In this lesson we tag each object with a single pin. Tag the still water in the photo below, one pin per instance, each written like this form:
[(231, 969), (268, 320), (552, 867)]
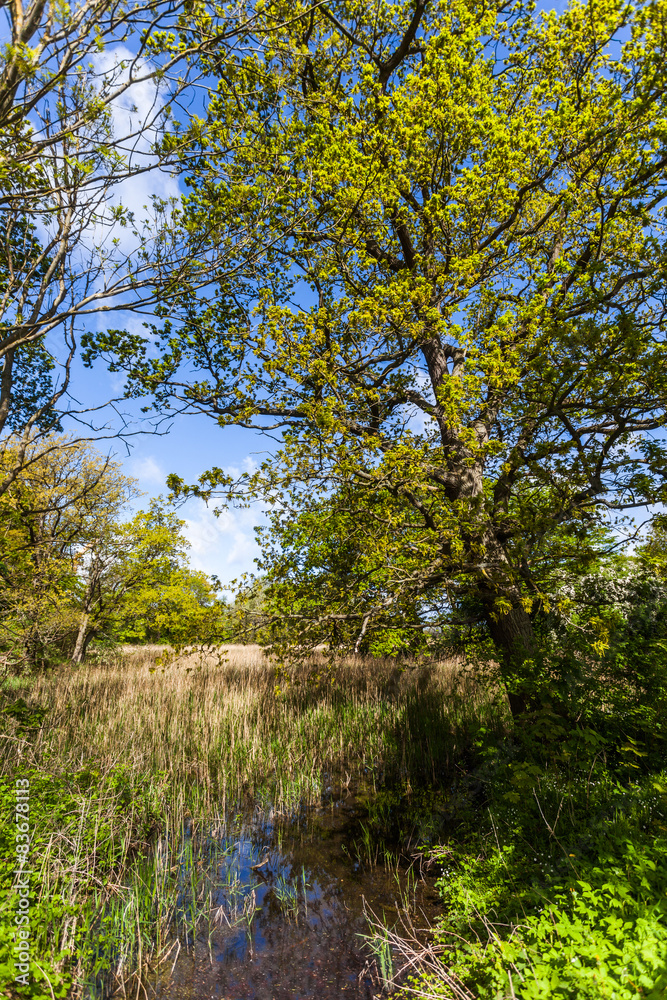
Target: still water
[(286, 908)]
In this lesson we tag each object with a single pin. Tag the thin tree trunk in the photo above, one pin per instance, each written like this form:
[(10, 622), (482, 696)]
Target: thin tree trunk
[(361, 635), (509, 623), (80, 644)]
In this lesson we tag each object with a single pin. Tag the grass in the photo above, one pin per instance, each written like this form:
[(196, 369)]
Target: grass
[(212, 733), (122, 753), (552, 882)]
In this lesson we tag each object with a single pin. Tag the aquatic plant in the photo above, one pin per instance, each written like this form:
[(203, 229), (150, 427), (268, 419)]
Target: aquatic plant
[(286, 891), (133, 760), (379, 946)]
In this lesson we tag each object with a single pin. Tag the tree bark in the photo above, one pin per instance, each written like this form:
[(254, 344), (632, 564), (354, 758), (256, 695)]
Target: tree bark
[(514, 639), (512, 631), (80, 644)]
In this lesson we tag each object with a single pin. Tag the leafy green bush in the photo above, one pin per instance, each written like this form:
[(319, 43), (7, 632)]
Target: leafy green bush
[(555, 884), (601, 935), (604, 651), (46, 800)]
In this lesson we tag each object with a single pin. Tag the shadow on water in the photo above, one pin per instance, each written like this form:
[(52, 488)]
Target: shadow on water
[(281, 901)]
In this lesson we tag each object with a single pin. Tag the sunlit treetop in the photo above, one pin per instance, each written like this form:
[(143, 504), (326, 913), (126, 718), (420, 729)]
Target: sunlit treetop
[(455, 287)]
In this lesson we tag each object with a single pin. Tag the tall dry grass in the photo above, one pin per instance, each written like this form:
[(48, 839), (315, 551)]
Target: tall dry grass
[(219, 724), (132, 744)]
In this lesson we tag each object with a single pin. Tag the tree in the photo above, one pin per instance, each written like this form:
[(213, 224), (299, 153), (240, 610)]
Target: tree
[(73, 570), (153, 595), (325, 583), (90, 102), (326, 580), (53, 520), (459, 316)]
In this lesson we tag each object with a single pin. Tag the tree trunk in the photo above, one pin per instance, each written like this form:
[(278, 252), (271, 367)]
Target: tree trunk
[(32, 648), (512, 632), (90, 635), (80, 644), (513, 637)]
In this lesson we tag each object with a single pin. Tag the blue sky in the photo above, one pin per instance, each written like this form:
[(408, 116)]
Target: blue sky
[(224, 545)]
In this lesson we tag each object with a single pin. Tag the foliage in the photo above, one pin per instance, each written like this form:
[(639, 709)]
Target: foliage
[(452, 309), (554, 883), (53, 519), (73, 571), (167, 601), (602, 932), (89, 99), (77, 819), (41, 911), (653, 553), (605, 643), (320, 587)]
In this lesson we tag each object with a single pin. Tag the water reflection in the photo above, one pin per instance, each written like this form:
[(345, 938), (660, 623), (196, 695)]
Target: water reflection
[(287, 911)]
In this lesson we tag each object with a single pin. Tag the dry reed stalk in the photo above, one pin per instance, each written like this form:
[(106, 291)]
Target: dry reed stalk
[(199, 716), (417, 953), (143, 737)]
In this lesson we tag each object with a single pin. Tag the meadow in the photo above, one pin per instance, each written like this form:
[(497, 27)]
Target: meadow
[(141, 742), (546, 838)]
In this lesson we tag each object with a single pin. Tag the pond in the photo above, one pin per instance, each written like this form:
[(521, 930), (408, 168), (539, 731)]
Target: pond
[(286, 902)]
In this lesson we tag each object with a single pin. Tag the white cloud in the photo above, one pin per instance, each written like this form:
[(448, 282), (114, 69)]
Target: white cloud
[(147, 470), (224, 545), (248, 465), (132, 115)]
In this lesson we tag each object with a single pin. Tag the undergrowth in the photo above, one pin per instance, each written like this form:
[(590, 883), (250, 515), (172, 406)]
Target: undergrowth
[(120, 752), (554, 884)]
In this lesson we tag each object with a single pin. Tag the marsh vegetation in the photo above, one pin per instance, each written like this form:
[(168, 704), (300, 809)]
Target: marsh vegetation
[(379, 825), (135, 761)]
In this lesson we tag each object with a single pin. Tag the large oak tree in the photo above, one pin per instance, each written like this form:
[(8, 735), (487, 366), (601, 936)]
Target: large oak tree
[(457, 321)]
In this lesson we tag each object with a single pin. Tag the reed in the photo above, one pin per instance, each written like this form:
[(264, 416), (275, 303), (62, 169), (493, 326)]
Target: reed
[(126, 751), (213, 731)]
